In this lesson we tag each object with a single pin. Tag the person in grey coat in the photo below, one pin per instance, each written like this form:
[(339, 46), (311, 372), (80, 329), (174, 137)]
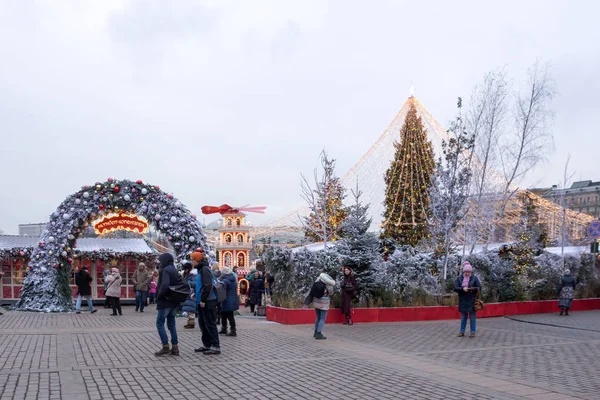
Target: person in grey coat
[(467, 286), (566, 292)]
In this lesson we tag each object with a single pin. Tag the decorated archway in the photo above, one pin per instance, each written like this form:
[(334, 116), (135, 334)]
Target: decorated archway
[(46, 286)]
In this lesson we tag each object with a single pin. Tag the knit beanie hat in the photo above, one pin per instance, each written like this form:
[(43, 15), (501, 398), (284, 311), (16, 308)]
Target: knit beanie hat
[(197, 256), (226, 270), (467, 266)]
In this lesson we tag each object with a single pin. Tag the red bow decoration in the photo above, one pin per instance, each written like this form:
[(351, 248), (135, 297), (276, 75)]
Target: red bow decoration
[(226, 208)]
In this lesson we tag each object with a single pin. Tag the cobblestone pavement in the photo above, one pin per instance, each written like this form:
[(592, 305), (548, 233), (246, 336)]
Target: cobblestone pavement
[(69, 356)]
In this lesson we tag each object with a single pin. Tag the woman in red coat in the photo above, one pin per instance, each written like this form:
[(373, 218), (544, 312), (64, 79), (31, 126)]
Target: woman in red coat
[(348, 292)]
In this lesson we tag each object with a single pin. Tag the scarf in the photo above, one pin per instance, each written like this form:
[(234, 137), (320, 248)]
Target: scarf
[(466, 281)]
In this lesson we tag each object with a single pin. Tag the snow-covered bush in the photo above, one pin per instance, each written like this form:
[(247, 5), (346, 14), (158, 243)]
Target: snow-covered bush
[(295, 273), (408, 278), (499, 280)]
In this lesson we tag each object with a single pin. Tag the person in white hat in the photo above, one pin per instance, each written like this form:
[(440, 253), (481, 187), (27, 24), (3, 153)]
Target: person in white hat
[(319, 298)]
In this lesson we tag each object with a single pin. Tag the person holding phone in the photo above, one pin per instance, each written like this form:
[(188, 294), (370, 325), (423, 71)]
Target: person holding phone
[(467, 286)]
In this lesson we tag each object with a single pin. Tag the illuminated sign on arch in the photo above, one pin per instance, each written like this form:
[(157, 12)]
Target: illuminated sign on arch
[(121, 221)]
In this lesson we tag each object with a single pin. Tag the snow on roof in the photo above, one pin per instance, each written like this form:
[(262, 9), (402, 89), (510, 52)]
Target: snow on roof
[(314, 247), (134, 245), (568, 250)]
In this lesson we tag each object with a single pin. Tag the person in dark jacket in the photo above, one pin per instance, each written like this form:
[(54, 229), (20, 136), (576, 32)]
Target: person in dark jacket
[(257, 287), (167, 309), (566, 292), (207, 306), (189, 306), (348, 286), (231, 303), (467, 286), (83, 280)]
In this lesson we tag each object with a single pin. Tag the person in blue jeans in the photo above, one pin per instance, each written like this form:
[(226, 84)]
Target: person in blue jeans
[(320, 300), (83, 280), (141, 281), (467, 286), (167, 309)]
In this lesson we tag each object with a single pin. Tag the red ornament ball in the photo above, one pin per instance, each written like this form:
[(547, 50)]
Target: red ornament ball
[(170, 196), (117, 189), (199, 250), (42, 244), (170, 238), (101, 206), (110, 179), (54, 265), (157, 187), (139, 182)]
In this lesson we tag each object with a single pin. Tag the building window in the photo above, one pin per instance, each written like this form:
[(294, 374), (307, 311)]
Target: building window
[(240, 239), (228, 238)]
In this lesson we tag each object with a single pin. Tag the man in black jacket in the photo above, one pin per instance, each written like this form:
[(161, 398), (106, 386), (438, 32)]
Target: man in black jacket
[(167, 309), (83, 280), (206, 299)]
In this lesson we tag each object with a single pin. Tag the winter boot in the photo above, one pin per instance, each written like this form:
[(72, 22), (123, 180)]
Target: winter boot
[(562, 311), (175, 350), (315, 334), (232, 333), (567, 311), (350, 322), (223, 330), (346, 321), (165, 350), (319, 336), (191, 323)]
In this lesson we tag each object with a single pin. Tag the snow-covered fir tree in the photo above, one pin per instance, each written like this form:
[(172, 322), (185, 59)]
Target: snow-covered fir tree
[(359, 248), (450, 187), (325, 202)]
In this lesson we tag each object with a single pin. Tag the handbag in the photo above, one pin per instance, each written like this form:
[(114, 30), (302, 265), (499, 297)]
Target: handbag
[(478, 306), (179, 291)]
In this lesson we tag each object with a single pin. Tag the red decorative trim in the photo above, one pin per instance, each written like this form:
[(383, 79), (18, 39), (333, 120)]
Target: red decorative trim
[(295, 316)]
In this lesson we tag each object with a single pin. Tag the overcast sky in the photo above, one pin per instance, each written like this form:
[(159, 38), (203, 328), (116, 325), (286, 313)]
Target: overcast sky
[(228, 102)]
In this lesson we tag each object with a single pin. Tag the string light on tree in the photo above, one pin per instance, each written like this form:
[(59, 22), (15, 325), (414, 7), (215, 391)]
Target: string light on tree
[(407, 183)]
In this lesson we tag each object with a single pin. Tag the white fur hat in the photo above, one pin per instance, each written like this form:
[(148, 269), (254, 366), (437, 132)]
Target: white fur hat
[(326, 279)]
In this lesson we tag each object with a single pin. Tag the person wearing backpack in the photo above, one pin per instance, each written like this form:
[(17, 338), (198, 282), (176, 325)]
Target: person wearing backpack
[(319, 298), (206, 298), (167, 308)]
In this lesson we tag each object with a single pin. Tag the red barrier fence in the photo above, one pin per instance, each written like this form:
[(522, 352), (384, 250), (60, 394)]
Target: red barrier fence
[(294, 316)]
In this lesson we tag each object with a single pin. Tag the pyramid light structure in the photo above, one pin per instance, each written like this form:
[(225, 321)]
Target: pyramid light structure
[(370, 169), (369, 172)]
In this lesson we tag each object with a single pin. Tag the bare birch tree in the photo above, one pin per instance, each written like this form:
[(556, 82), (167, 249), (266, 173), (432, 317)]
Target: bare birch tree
[(486, 121), (531, 140)]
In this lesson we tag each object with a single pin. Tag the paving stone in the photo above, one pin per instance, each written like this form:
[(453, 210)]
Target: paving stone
[(96, 357)]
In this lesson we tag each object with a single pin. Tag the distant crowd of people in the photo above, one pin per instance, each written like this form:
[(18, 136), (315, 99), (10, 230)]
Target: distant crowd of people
[(210, 296)]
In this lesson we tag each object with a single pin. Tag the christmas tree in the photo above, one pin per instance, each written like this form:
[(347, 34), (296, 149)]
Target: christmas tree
[(326, 204), (359, 248), (408, 180), (532, 235)]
